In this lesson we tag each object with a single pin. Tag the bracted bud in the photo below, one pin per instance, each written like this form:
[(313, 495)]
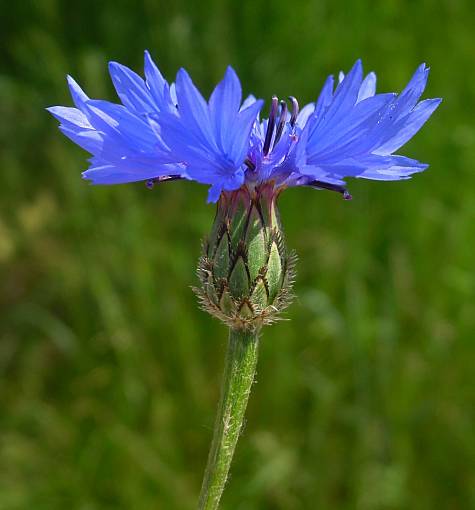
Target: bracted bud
[(245, 271)]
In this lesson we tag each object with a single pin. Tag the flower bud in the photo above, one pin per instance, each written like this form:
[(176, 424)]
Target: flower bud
[(245, 271)]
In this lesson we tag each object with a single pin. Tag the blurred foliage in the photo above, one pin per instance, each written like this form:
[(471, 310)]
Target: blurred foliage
[(109, 372)]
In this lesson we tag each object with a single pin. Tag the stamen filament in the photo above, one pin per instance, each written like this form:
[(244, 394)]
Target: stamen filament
[(332, 187), (270, 125), (151, 182), (249, 164), (282, 119), (295, 110)]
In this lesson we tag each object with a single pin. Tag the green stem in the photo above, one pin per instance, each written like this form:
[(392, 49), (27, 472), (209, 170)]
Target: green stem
[(239, 371)]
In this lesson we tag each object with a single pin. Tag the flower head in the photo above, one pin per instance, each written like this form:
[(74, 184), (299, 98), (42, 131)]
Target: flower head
[(165, 131)]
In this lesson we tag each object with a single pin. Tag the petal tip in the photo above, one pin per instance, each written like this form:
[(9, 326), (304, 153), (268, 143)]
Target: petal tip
[(113, 66), (231, 72), (214, 192), (72, 83), (86, 177), (148, 60)]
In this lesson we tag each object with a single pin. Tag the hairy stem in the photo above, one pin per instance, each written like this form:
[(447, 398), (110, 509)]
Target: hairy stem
[(239, 371)]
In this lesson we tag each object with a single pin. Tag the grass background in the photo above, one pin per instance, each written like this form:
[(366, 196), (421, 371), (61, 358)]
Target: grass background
[(109, 373)]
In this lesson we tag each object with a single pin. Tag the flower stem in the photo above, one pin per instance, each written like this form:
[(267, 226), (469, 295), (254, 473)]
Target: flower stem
[(239, 371)]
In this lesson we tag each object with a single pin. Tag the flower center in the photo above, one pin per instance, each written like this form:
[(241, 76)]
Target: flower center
[(277, 120), (278, 117)]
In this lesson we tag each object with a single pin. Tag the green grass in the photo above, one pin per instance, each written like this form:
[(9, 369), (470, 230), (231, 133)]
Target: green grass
[(109, 373)]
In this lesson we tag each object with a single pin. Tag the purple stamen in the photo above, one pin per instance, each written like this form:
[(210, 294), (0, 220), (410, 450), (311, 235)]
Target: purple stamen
[(332, 187), (163, 178), (270, 124), (249, 164), (167, 178), (282, 119), (295, 110)]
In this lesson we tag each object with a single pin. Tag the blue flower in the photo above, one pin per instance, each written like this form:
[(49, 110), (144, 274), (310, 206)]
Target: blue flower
[(210, 138), (349, 132), (165, 131)]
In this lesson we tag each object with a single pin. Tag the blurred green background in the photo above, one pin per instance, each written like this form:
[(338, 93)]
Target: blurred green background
[(109, 373)]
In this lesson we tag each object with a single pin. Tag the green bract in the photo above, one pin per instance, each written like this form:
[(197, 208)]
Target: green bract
[(245, 270)]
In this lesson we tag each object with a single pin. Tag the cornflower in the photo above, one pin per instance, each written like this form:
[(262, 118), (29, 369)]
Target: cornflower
[(163, 132)]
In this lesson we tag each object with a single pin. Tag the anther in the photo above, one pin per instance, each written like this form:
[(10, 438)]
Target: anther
[(332, 187), (249, 164), (270, 124), (282, 119), (150, 183), (295, 110), (167, 178)]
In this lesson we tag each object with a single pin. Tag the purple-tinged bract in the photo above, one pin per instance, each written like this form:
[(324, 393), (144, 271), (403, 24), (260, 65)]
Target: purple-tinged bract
[(165, 131)]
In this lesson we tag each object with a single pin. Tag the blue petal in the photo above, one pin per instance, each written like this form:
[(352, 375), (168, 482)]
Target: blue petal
[(368, 87), (187, 146), (214, 193), (70, 116), (346, 134), (78, 95), (394, 173), (158, 86), (228, 183), (408, 98), (112, 174), (325, 98), (131, 89), (211, 139), (250, 99), (122, 125), (333, 108), (90, 140), (392, 119), (194, 109), (242, 131), (410, 126), (369, 165), (305, 113), (346, 93), (224, 105), (173, 93)]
